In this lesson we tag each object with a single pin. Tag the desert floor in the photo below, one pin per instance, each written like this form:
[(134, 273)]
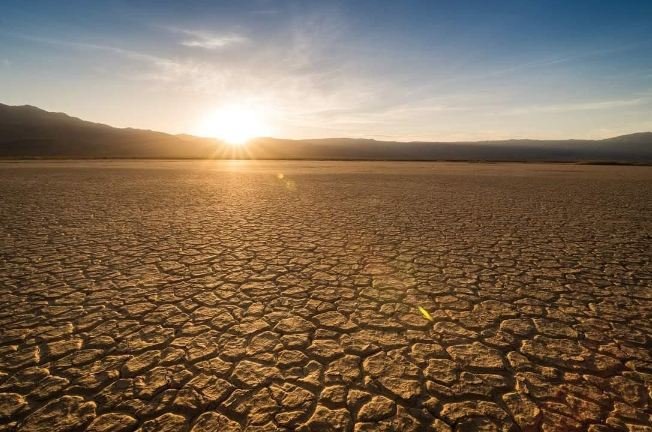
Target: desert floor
[(220, 296)]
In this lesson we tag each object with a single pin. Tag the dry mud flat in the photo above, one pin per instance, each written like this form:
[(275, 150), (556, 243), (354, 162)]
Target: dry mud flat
[(225, 296)]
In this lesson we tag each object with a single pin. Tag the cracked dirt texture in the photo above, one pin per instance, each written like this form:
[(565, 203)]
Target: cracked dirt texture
[(224, 296)]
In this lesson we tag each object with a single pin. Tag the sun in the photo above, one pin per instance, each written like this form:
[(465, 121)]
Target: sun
[(235, 124)]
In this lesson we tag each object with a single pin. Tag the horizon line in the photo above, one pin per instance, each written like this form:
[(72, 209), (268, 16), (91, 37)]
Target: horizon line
[(397, 140)]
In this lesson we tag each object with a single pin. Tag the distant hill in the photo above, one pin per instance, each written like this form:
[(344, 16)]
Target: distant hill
[(30, 132), (27, 131)]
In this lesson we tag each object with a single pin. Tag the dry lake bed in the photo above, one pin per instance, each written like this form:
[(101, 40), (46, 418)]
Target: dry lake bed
[(263, 296)]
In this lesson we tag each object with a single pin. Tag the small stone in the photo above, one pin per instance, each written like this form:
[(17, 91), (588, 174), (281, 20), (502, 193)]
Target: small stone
[(10, 404), (48, 387), (295, 398), (312, 373), (296, 340), (335, 394), (343, 370), (288, 419), (405, 389), (213, 422), (326, 419), (250, 374), (517, 326), (222, 320), (167, 422), (63, 414), (378, 408), (262, 407), (212, 388), (215, 366), (523, 410), (356, 398), (289, 358), (333, 320), (559, 352), (456, 411), (325, 349), (476, 355), (294, 324), (476, 424), (439, 426), (140, 363), (147, 337), (441, 370), (263, 343), (554, 328), (60, 348), (112, 422), (246, 328)]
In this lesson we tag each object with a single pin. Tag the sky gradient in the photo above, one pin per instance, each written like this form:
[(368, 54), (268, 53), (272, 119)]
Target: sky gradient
[(408, 70)]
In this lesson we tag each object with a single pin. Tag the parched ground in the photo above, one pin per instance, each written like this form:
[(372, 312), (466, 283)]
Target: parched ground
[(224, 296)]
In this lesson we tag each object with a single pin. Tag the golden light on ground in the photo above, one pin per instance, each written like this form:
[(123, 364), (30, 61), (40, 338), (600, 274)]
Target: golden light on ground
[(235, 124)]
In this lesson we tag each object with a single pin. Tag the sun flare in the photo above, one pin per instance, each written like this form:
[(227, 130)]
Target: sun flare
[(235, 124)]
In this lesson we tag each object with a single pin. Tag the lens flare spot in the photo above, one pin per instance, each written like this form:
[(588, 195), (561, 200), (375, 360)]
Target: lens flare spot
[(425, 314)]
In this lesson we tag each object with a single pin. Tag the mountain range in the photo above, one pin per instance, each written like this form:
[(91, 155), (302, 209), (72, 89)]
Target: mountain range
[(30, 132)]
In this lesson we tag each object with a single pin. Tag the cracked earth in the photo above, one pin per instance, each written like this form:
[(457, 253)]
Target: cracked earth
[(226, 296)]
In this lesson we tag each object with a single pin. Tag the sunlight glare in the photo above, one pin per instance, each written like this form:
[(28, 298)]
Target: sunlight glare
[(235, 124)]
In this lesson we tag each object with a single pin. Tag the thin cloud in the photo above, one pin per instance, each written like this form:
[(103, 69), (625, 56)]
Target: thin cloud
[(134, 55), (208, 40), (157, 68), (581, 106)]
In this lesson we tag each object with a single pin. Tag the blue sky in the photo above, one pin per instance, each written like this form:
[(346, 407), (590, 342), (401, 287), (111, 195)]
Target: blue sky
[(408, 70)]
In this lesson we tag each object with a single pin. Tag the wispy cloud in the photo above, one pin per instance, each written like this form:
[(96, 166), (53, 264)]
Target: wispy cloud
[(578, 106), (134, 55), (148, 67), (208, 40)]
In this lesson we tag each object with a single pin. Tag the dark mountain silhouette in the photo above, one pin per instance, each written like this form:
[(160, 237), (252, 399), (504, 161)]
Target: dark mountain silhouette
[(29, 132)]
